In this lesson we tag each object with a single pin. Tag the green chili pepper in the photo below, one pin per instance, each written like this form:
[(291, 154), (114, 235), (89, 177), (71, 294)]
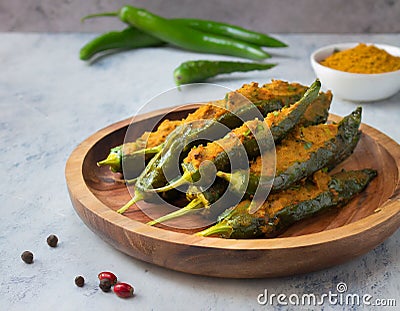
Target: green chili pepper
[(231, 31), (186, 37), (200, 70), (238, 222), (132, 156), (329, 154), (332, 153), (129, 38)]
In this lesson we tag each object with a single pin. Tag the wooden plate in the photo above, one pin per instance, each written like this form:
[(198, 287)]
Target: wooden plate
[(313, 244)]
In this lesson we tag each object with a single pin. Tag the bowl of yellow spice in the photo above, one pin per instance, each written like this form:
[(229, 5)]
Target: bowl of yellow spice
[(358, 71)]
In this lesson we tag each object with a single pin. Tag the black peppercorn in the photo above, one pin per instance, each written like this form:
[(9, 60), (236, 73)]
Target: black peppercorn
[(105, 285), (52, 240), (79, 281), (27, 257)]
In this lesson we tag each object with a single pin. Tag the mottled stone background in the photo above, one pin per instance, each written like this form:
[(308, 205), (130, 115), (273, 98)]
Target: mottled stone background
[(275, 16)]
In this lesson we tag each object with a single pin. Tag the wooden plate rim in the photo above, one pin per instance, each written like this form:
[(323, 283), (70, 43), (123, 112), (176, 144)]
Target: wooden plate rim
[(74, 165)]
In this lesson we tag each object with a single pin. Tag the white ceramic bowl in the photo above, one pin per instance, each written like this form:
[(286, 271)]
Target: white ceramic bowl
[(356, 86)]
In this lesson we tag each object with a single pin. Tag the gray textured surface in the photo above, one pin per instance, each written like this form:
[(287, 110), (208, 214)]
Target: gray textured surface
[(334, 16), (50, 101)]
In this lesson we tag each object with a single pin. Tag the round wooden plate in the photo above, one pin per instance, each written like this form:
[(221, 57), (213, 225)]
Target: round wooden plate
[(319, 242)]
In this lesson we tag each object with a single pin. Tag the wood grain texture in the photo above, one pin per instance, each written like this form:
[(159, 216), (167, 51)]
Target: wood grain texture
[(316, 243)]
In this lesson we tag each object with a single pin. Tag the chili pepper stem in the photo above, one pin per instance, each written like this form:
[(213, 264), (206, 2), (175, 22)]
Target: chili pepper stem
[(192, 206), (226, 176), (238, 180), (125, 181), (152, 150), (221, 229), (112, 160), (131, 181), (99, 15), (138, 196), (184, 179)]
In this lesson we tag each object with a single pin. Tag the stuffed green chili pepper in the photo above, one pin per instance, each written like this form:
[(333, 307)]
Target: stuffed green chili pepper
[(306, 150), (285, 208)]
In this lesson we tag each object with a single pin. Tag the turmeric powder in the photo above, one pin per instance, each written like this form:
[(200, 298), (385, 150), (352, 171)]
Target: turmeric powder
[(363, 59)]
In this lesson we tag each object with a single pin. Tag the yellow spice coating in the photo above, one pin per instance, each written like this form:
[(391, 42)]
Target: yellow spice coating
[(363, 59), (156, 138), (298, 146), (301, 192), (212, 110), (275, 89), (302, 143), (212, 149), (153, 139)]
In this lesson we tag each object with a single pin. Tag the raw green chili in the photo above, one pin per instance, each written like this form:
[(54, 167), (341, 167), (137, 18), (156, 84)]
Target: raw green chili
[(129, 38), (186, 37), (231, 31), (200, 70)]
